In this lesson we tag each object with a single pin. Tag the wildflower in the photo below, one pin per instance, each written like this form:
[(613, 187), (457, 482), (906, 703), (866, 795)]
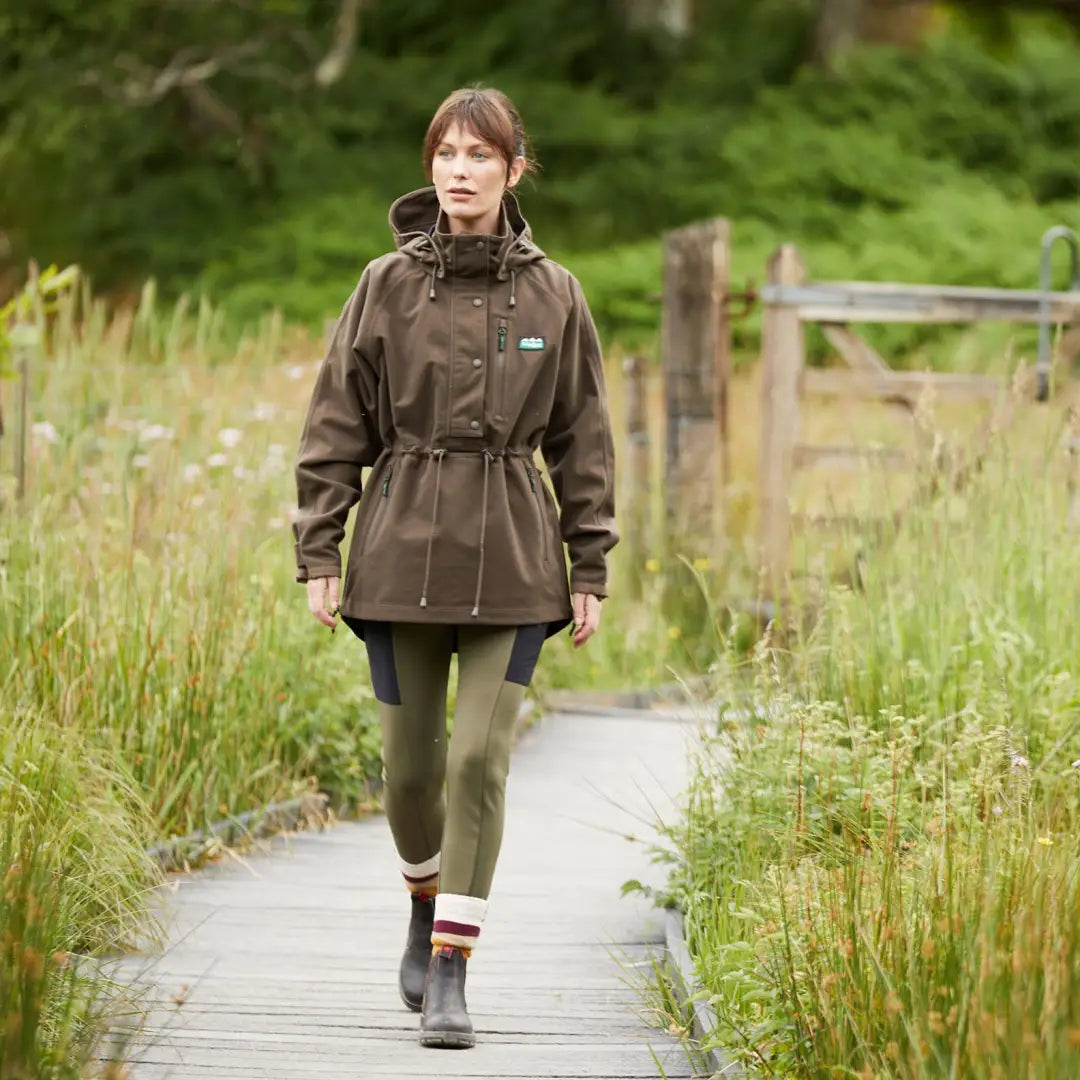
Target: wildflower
[(1020, 762), (44, 431), (140, 461), (192, 472), (264, 410), (703, 564), (652, 565), (294, 513), (107, 488), (1076, 764), (154, 432), (197, 501), (674, 633), (240, 472), (276, 523), (229, 437), (1046, 841), (217, 461), (295, 372)]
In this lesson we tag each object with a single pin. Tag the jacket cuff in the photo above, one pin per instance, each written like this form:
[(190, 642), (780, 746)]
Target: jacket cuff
[(595, 588), (320, 570)]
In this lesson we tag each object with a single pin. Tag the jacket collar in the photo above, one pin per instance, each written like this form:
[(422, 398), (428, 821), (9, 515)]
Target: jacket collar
[(418, 224)]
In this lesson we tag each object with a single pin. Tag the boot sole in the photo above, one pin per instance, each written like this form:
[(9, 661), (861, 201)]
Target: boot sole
[(448, 1040)]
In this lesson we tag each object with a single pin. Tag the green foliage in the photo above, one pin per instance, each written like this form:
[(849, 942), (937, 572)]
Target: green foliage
[(73, 879), (279, 197), (878, 861)]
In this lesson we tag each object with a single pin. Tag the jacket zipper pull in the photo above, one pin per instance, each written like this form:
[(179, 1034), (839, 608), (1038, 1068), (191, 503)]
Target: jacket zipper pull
[(386, 482), (502, 339), (529, 472)]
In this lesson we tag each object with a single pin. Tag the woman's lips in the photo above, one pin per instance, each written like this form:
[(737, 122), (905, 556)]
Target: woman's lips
[(461, 195)]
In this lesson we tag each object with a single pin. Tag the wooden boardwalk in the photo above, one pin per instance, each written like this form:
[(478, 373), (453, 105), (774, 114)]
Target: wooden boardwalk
[(286, 962)]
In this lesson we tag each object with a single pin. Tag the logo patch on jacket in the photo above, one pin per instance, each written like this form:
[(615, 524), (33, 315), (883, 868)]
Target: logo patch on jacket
[(531, 344)]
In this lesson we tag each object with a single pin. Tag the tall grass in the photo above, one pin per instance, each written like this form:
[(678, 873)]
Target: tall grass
[(74, 878), (880, 863), (147, 597)]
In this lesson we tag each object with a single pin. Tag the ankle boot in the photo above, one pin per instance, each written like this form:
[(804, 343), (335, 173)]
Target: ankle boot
[(445, 1020), (414, 963)]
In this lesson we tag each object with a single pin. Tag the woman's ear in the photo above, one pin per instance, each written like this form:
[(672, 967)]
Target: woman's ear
[(517, 167)]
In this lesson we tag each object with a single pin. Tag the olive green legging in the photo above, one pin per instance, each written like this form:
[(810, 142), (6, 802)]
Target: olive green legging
[(448, 795)]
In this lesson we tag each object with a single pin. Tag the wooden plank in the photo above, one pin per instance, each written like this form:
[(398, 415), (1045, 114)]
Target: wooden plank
[(695, 365), (889, 302), (852, 457), (833, 382), (286, 963), (783, 362), (857, 354), (637, 474)]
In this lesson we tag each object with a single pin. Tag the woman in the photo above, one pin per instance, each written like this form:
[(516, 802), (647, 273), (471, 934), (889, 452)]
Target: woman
[(455, 358)]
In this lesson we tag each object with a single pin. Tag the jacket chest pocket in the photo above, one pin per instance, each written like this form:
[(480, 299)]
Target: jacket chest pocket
[(501, 353)]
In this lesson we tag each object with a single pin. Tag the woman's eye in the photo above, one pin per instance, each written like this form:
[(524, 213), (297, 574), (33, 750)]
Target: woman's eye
[(445, 154), (481, 155)]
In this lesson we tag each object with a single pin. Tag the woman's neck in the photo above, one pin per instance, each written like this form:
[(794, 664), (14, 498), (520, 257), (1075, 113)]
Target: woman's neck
[(488, 225)]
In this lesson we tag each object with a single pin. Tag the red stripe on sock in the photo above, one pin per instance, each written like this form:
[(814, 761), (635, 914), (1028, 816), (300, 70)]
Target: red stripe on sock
[(418, 880), (444, 926)]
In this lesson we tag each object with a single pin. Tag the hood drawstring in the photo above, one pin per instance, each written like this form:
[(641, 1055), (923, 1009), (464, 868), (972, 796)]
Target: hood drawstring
[(431, 291), (513, 288), (438, 454), (483, 526)]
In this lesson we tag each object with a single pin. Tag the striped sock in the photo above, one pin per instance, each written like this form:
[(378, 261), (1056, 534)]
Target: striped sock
[(422, 877), (457, 921)]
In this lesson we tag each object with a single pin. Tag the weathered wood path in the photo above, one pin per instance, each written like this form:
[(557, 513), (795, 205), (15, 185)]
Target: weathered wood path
[(287, 962)]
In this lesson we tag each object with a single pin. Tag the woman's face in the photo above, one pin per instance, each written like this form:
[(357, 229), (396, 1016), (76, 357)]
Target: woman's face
[(470, 178)]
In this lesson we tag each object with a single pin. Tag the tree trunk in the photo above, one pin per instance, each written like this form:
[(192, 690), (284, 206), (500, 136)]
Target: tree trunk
[(674, 16), (838, 26)]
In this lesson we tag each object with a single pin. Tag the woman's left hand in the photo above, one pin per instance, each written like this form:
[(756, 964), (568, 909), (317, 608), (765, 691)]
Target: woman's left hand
[(586, 617)]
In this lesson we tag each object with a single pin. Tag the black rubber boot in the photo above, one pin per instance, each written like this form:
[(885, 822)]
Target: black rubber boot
[(445, 1020), (414, 963)]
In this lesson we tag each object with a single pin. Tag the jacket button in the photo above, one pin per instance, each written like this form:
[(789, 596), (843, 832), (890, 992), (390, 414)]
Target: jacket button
[(474, 424), (476, 361), (478, 302), (479, 245)]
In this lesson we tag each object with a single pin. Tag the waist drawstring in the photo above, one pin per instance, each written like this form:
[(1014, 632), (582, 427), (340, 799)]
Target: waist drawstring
[(483, 525), (438, 452)]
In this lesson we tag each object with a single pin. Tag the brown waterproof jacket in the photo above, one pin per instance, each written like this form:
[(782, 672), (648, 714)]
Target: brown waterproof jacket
[(453, 360)]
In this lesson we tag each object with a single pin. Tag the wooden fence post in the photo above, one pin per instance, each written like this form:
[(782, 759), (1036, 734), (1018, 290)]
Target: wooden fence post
[(783, 361), (696, 363), (637, 470)]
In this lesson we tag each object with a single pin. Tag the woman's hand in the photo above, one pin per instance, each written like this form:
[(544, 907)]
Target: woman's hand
[(586, 617), (322, 599)]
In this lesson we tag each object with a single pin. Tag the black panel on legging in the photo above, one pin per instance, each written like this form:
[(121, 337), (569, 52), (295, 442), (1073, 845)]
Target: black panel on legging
[(380, 650), (525, 654)]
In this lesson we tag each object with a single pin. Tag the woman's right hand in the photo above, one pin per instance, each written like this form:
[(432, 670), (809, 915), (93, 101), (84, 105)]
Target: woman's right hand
[(322, 599)]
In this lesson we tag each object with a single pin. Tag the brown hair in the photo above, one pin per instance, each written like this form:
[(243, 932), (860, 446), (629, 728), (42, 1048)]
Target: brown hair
[(487, 112)]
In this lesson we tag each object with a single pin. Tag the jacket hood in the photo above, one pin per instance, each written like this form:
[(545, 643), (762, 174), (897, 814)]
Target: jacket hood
[(415, 219)]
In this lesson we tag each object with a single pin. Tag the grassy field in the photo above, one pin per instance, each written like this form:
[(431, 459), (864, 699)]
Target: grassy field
[(879, 859), (160, 668)]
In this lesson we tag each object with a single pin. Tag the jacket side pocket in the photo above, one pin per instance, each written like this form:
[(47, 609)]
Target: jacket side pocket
[(538, 496), (376, 511)]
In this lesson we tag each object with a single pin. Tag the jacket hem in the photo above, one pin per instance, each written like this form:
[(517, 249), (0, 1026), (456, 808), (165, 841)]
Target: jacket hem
[(459, 613)]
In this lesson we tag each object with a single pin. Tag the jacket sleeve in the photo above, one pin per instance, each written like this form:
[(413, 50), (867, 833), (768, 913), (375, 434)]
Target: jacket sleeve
[(579, 451), (340, 436)]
